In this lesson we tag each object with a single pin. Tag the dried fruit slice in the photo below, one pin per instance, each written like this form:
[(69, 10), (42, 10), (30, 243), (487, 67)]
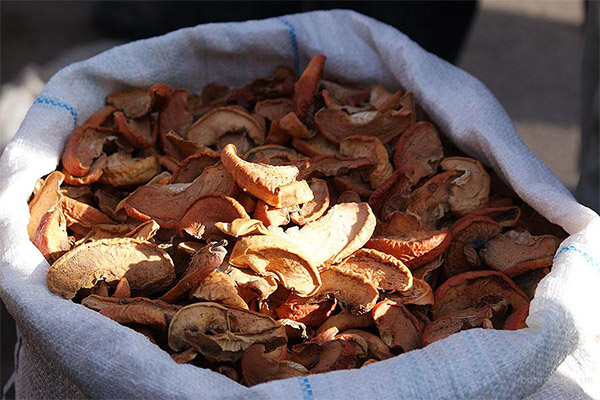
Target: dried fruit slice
[(251, 286), (471, 190), (275, 185), (373, 149), (133, 102), (77, 212), (267, 254), (505, 216), (124, 171), (384, 271), (273, 109), (153, 313), (474, 289), (175, 114), (344, 321), (391, 196), (316, 146), (222, 120), (352, 290), (529, 281), (258, 367), (349, 196), (166, 204), (94, 175), (330, 165), (307, 85), (219, 287), (515, 253), (429, 202), (192, 167), (471, 233), (418, 151), (317, 207), (349, 95), (414, 248), (147, 268), (123, 290), (337, 125), (183, 148), (376, 347), (398, 224), (309, 311), (199, 220), (271, 216), (292, 126), (51, 237), (335, 355), (242, 227), (419, 294), (397, 327), (47, 197), (140, 133), (271, 154)]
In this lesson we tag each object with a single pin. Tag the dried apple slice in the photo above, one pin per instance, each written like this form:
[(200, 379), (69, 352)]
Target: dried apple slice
[(316, 146), (123, 290), (474, 289), (124, 171), (134, 102), (335, 355), (152, 313), (200, 218), (51, 237), (267, 254), (317, 207), (350, 95), (376, 347), (414, 248), (292, 126), (373, 149), (529, 281), (275, 185), (471, 233), (384, 271), (222, 120), (192, 167), (271, 216), (418, 151), (271, 154), (251, 286), (349, 196), (471, 190), (398, 224), (258, 367), (352, 290), (86, 143), (96, 171), (419, 294), (219, 287), (337, 125), (397, 327), (273, 109), (81, 213), (391, 196), (166, 204), (429, 202), (307, 85), (175, 114), (147, 268), (330, 165), (344, 321), (47, 197), (242, 227), (309, 311), (140, 133), (515, 253), (183, 148)]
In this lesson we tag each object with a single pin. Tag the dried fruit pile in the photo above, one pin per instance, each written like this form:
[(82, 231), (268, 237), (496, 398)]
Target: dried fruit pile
[(285, 227)]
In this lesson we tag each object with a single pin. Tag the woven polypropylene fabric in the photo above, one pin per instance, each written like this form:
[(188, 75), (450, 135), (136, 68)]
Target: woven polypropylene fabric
[(102, 359)]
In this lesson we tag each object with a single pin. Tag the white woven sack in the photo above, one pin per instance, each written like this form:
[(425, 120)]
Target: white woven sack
[(70, 351)]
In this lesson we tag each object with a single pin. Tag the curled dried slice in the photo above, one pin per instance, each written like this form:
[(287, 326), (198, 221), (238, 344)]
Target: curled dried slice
[(134, 102), (349, 196), (335, 355), (81, 213), (397, 327), (223, 120), (420, 294), (414, 248), (475, 289), (124, 171), (307, 85), (96, 171), (373, 149), (330, 165), (291, 125), (258, 367), (166, 204), (267, 254), (315, 146), (391, 196), (350, 95), (515, 252), (271, 216), (175, 114), (140, 133), (251, 286), (200, 218), (182, 148), (376, 347), (398, 224), (337, 125), (471, 190), (192, 167), (352, 290), (505, 216), (344, 321), (242, 227), (51, 237), (47, 197), (384, 271), (273, 109), (309, 311), (147, 268), (317, 207), (219, 287), (271, 154), (418, 151), (123, 290), (429, 202), (275, 185), (471, 233), (153, 313)]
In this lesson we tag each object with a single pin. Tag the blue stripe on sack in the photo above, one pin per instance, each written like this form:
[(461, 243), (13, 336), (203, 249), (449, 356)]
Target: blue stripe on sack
[(295, 55), (64, 106), (587, 257), (307, 392)]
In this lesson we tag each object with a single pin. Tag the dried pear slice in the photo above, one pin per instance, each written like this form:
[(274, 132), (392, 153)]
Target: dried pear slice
[(275, 185), (147, 268), (267, 254), (373, 149), (222, 120), (474, 289), (384, 271), (418, 151), (471, 190), (352, 290), (515, 253)]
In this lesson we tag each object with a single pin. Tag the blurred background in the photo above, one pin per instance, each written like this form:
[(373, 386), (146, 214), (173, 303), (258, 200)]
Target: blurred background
[(528, 52)]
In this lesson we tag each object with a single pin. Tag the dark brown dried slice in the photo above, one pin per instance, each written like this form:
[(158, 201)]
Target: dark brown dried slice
[(376, 347), (107, 202), (275, 185), (505, 216), (183, 148), (316, 146), (273, 109), (391, 196), (475, 289), (349, 196), (429, 202), (167, 204), (141, 133), (315, 208), (134, 102), (175, 114), (414, 248), (258, 367), (147, 268), (51, 237), (223, 120), (471, 190), (373, 149), (529, 281), (310, 311), (124, 171), (419, 294), (398, 328), (352, 290), (193, 166), (307, 85), (384, 271), (330, 165), (47, 197), (418, 151), (291, 125), (337, 125), (471, 233), (200, 218), (515, 253)]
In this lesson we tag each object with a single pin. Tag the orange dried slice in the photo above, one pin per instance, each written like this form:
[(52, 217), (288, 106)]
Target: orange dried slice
[(330, 165), (200, 218), (271, 216), (429, 202), (223, 120), (47, 197), (307, 85), (133, 102), (312, 311), (193, 166), (418, 151), (140, 133), (419, 294), (258, 367), (391, 196), (469, 191), (317, 207), (384, 271), (397, 327), (316, 146), (352, 290), (77, 212), (51, 237), (373, 149)]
